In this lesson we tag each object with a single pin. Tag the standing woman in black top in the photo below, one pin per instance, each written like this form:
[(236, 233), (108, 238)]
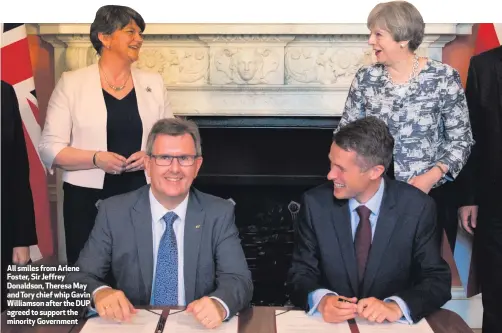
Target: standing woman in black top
[(98, 120)]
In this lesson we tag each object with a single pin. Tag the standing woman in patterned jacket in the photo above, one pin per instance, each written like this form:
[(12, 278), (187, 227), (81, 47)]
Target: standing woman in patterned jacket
[(421, 100)]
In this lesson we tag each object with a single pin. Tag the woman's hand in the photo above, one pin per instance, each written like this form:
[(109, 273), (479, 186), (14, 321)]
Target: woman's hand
[(426, 181), (110, 162), (135, 162)]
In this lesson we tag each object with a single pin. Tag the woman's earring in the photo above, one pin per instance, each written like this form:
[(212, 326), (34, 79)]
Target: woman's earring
[(402, 45)]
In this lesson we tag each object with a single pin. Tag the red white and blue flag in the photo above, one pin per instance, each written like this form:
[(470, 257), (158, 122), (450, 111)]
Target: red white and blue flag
[(16, 69)]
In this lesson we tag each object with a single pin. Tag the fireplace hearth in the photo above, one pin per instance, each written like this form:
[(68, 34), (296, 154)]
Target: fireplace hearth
[(263, 165)]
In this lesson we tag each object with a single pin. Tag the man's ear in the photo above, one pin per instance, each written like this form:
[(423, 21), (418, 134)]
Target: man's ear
[(198, 162), (377, 171), (146, 161)]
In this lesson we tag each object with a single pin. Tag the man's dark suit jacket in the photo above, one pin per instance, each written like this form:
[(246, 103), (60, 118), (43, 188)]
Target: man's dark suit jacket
[(18, 213), (122, 241), (480, 182), (405, 258), (481, 179)]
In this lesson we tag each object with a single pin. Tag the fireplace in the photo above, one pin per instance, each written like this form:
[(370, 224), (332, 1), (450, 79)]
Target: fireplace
[(264, 165)]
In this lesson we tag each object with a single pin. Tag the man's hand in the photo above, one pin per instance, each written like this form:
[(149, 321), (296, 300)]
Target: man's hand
[(468, 218), (113, 304), (376, 310), (21, 255), (334, 310), (209, 312)]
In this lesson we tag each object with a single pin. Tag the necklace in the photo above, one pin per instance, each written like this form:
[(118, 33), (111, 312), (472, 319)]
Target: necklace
[(116, 88), (413, 73)]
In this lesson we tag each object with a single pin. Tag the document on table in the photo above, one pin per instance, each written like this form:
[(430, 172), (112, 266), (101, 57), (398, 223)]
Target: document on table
[(369, 327), (142, 322), (298, 321), (184, 322)]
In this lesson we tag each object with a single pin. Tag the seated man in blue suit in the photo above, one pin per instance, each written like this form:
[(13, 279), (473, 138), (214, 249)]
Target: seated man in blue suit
[(365, 245), (167, 243)]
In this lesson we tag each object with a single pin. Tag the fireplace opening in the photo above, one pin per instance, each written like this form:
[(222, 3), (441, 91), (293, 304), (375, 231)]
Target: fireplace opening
[(264, 165)]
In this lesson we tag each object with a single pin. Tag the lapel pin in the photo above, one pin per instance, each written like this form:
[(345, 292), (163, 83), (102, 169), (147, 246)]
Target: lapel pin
[(197, 226), (148, 89)]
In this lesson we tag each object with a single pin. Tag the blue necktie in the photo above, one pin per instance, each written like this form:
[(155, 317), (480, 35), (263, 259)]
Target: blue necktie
[(166, 274)]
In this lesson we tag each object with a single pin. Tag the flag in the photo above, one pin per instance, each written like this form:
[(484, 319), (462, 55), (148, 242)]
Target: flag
[(489, 36), (16, 70)]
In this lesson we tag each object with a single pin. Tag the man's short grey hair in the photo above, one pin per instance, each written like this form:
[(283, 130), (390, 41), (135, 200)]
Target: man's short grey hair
[(401, 19), (110, 18), (174, 127), (370, 138)]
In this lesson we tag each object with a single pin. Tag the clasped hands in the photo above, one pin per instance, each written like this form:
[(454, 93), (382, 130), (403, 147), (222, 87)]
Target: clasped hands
[(116, 164), (334, 310), (112, 304)]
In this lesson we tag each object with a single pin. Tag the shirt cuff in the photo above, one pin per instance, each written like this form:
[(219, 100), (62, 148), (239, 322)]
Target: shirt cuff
[(406, 318), (315, 297), (224, 306)]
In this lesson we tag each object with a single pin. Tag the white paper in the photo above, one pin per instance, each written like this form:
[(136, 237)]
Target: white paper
[(184, 322), (142, 322), (297, 321), (368, 327)]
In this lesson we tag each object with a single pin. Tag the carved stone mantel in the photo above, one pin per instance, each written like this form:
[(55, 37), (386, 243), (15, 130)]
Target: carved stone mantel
[(247, 69)]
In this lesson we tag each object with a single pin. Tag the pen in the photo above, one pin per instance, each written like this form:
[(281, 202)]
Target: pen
[(160, 325)]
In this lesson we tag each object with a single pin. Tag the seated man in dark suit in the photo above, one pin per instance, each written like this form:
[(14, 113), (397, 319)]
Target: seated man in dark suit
[(167, 243), (365, 245)]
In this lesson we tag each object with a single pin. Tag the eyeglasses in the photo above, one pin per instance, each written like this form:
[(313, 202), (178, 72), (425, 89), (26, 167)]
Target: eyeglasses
[(167, 160)]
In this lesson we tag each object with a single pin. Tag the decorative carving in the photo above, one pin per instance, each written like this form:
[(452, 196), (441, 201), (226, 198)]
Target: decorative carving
[(369, 56), (245, 65), (244, 39), (247, 69), (177, 66), (170, 38), (331, 38), (324, 65), (264, 100), (193, 66), (76, 38), (151, 60), (79, 56)]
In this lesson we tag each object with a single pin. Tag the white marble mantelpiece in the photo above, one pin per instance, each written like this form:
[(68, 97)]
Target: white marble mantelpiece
[(247, 69)]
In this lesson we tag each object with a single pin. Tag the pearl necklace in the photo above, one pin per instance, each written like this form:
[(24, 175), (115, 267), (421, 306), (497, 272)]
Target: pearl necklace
[(413, 73)]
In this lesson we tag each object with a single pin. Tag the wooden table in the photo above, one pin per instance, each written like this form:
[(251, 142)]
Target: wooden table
[(259, 319)]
